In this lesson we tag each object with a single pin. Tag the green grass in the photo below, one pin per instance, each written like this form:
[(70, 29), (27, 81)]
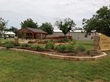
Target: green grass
[(86, 44), (17, 66), (2, 40)]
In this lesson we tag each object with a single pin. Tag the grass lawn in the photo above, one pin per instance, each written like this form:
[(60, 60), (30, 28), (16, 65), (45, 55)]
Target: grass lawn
[(17, 66), (86, 44)]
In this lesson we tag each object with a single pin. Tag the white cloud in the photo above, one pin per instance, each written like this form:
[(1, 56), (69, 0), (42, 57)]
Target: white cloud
[(41, 11)]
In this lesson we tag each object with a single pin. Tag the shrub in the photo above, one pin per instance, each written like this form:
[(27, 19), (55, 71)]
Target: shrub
[(9, 45), (38, 47), (25, 45), (63, 40), (81, 48), (72, 42), (49, 45), (15, 43), (61, 47), (70, 48)]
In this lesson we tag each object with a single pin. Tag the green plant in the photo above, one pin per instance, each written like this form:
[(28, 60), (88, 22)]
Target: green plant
[(38, 47), (15, 43), (72, 42), (25, 45), (61, 47), (70, 48), (63, 40), (9, 45), (81, 48), (49, 45)]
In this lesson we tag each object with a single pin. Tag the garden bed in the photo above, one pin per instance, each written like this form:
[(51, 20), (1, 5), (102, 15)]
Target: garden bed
[(62, 55)]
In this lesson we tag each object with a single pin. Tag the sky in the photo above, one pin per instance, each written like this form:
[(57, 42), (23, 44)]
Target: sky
[(41, 11)]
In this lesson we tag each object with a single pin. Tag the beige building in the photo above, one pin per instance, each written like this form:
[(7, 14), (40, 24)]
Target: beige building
[(76, 34)]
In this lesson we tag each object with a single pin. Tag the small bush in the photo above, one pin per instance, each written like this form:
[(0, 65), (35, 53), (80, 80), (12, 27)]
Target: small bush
[(38, 47), (81, 48), (70, 48), (72, 42), (63, 40), (61, 47), (49, 45), (25, 45), (9, 45), (15, 43)]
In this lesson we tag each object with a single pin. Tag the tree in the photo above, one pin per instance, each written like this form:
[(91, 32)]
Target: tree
[(100, 22), (66, 25), (3, 24), (13, 29), (47, 27), (29, 23)]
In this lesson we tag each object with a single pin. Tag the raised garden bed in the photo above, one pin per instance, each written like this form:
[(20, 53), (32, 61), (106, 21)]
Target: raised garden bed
[(93, 55)]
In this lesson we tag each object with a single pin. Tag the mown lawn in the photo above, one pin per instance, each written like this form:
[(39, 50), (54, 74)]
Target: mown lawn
[(17, 66)]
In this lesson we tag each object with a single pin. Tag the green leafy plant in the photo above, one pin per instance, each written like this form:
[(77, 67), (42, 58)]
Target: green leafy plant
[(72, 42), (49, 45), (25, 45), (9, 45), (70, 48), (61, 47), (63, 40), (81, 48), (38, 47)]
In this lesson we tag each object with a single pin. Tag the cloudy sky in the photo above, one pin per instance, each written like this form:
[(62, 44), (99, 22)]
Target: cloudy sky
[(42, 11)]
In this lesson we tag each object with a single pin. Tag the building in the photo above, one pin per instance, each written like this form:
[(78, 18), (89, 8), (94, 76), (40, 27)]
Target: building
[(31, 33), (7, 34), (76, 34)]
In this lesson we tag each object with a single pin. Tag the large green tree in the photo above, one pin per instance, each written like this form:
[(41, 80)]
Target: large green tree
[(47, 27), (3, 24), (66, 25), (29, 23), (100, 22)]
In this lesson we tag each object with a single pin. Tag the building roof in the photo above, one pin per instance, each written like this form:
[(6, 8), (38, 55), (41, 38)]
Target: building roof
[(70, 31), (34, 30), (9, 32)]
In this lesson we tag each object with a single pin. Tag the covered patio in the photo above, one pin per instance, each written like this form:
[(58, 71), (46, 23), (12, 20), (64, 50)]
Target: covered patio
[(31, 33)]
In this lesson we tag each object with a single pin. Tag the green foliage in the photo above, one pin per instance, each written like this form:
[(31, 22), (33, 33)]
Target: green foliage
[(63, 40), (100, 22), (47, 27), (29, 23), (80, 48), (25, 45), (16, 44), (3, 24), (72, 42), (9, 45), (49, 45), (61, 47), (66, 25), (38, 47), (70, 47)]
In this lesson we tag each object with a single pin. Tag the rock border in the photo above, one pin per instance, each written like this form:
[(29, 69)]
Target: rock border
[(60, 56)]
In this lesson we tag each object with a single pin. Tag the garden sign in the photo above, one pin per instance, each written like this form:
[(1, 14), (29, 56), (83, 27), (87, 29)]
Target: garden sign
[(101, 42)]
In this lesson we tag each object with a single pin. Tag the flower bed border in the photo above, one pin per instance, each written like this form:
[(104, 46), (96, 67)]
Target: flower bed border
[(77, 58)]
